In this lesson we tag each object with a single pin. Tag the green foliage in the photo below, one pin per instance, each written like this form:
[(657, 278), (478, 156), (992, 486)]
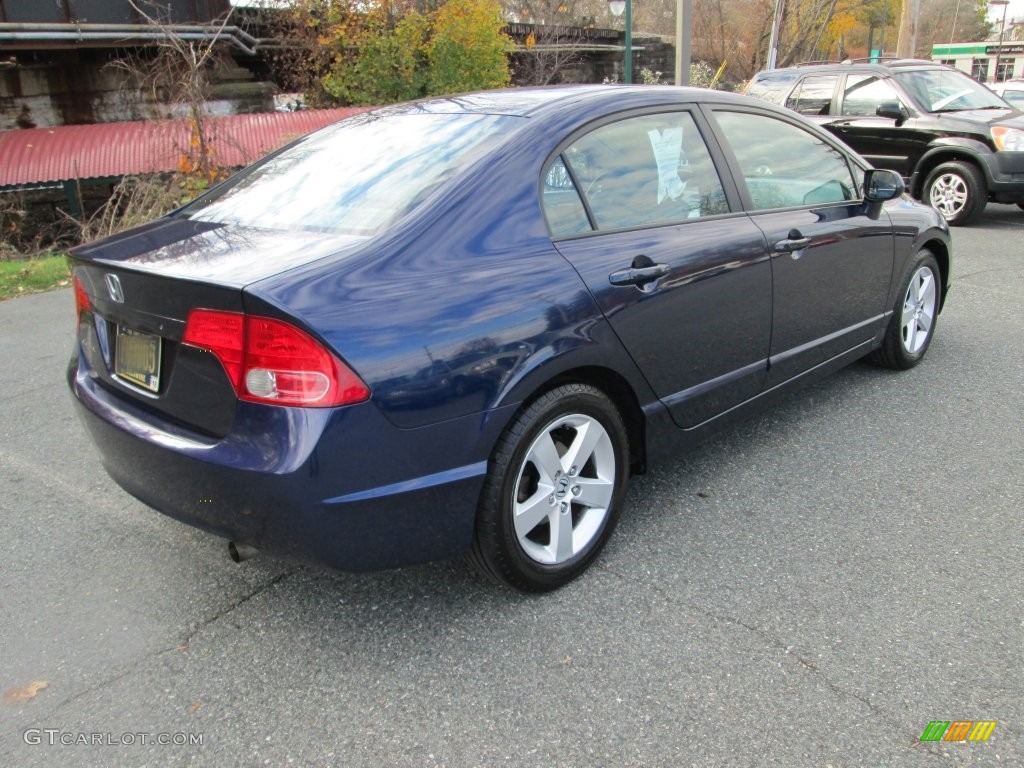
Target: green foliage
[(650, 77), (384, 66), (467, 51), (387, 52), (702, 75), (18, 278)]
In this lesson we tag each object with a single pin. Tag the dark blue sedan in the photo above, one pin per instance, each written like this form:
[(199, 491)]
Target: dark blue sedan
[(459, 326)]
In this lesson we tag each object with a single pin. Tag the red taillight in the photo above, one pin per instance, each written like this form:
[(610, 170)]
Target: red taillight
[(82, 303), (270, 361)]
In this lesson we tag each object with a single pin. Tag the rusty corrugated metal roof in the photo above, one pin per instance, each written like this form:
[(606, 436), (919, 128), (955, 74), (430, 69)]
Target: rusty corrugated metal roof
[(62, 153)]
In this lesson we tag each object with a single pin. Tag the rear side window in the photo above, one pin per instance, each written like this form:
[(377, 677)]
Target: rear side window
[(814, 95), (783, 165), (864, 94), (563, 208), (641, 171)]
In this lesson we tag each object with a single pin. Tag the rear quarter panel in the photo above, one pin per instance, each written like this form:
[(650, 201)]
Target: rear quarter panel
[(466, 306)]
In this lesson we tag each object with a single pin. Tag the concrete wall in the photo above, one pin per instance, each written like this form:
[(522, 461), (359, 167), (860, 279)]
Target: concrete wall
[(76, 87)]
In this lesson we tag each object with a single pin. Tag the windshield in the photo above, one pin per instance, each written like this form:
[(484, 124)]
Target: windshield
[(355, 177), (947, 90)]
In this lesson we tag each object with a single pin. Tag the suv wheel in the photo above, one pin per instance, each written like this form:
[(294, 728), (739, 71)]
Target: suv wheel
[(957, 189)]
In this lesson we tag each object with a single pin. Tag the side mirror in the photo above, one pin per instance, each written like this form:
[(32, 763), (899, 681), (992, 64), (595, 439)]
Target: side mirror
[(893, 110), (881, 185)]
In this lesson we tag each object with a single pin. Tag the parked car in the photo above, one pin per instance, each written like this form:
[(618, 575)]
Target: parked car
[(1012, 92), (458, 326), (956, 144)]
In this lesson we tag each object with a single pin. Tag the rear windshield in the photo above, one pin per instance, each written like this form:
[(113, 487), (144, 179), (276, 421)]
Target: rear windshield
[(355, 177), (772, 85), (947, 90)]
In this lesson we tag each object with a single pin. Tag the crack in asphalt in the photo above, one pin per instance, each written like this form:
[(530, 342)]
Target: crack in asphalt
[(198, 627), (770, 640), (194, 629)]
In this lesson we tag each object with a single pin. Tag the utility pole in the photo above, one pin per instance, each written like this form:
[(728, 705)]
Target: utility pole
[(773, 40), (906, 43), (684, 47)]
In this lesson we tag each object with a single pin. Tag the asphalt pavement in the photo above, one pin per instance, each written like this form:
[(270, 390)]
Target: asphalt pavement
[(812, 588)]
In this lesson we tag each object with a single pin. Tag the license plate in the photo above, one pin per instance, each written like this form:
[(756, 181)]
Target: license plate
[(137, 358)]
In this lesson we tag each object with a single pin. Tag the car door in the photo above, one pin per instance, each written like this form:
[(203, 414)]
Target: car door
[(637, 206), (831, 262)]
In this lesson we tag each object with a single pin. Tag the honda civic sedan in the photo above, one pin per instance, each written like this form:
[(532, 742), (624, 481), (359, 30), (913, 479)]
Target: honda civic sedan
[(458, 326)]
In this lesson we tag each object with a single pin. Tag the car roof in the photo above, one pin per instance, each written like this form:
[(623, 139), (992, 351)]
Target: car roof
[(533, 102), (860, 65)]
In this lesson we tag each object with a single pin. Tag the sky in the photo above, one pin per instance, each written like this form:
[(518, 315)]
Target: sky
[(1015, 10)]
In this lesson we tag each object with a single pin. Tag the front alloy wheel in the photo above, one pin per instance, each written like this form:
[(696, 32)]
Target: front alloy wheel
[(554, 487), (919, 306), (957, 190), (912, 325)]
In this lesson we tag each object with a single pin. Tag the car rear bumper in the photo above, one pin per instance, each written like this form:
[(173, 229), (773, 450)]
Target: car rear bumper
[(292, 483)]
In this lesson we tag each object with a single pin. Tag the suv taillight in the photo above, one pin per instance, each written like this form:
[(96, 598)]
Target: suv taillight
[(271, 361)]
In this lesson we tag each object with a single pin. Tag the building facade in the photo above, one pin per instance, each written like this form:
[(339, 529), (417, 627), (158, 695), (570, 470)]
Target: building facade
[(979, 60)]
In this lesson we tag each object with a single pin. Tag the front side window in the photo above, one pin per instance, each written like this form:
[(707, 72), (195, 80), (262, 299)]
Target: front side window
[(1015, 98), (864, 94), (644, 171), (814, 95), (784, 165), (355, 177)]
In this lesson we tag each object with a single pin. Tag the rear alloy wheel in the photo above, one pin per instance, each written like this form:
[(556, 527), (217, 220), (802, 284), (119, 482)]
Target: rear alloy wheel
[(957, 189), (912, 325), (553, 492)]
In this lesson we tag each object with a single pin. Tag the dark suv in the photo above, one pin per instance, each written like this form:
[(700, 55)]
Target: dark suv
[(957, 144)]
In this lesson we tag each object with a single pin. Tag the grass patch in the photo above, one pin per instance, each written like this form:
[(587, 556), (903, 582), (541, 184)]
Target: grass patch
[(18, 278)]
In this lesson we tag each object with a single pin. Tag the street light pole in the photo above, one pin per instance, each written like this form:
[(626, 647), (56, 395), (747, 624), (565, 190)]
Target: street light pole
[(616, 7), (1002, 28)]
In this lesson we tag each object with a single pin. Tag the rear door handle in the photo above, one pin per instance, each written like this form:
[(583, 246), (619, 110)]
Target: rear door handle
[(638, 275), (792, 244)]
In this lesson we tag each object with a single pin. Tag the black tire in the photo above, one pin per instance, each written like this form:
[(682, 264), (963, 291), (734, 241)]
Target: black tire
[(957, 189), (1021, 206), (585, 498), (917, 304)]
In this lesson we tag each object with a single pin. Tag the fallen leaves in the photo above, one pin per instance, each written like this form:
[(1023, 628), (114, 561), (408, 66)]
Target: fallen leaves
[(25, 692)]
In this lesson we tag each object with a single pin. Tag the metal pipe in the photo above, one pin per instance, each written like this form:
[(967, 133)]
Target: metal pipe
[(239, 552), (120, 37)]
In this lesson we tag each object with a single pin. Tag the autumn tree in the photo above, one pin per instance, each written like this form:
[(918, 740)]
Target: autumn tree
[(467, 50)]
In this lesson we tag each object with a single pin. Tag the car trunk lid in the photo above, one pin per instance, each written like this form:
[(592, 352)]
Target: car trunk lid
[(140, 287)]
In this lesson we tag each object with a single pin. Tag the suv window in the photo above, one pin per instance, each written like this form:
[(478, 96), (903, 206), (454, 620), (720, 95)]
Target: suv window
[(772, 85), (783, 165), (644, 171), (864, 93), (814, 95), (946, 90)]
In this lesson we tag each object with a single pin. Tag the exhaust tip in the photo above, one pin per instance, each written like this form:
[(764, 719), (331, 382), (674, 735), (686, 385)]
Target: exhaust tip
[(239, 552)]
